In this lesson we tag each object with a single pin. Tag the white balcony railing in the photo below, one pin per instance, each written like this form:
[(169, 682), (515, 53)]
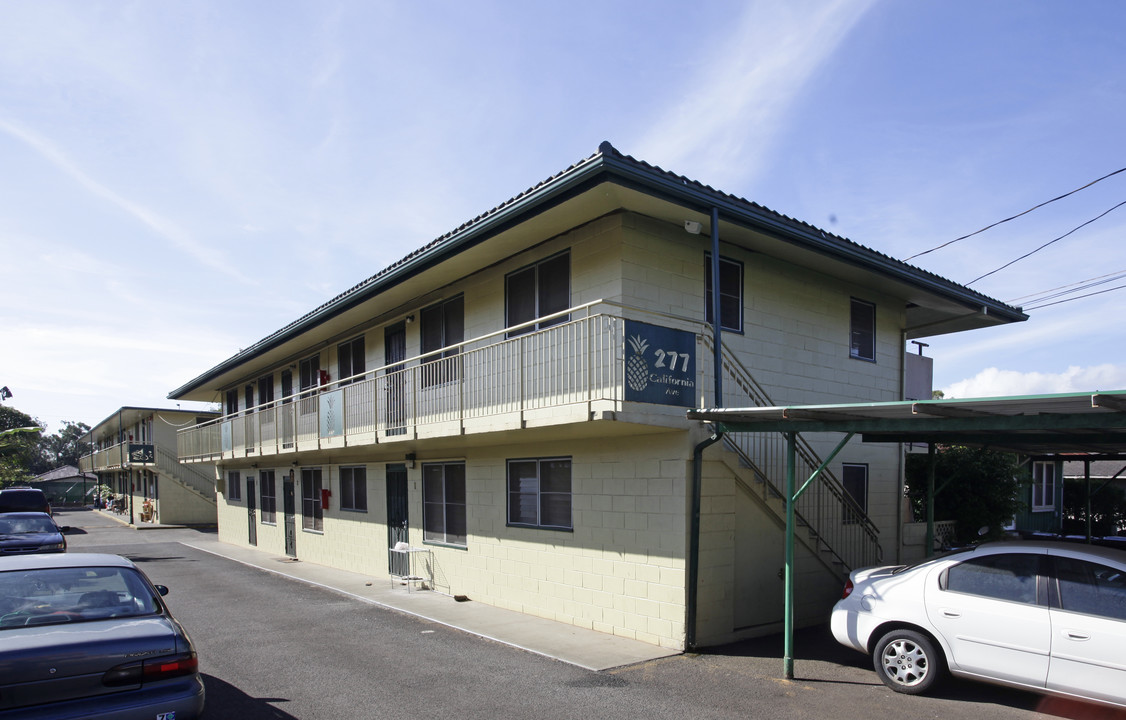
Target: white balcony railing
[(113, 457), (577, 362)]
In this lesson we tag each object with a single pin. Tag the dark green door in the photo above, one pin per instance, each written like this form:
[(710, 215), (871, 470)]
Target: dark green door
[(289, 505), (398, 518), (251, 512)]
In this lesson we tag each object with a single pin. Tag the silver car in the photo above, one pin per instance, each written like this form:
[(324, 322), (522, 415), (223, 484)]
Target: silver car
[(88, 636)]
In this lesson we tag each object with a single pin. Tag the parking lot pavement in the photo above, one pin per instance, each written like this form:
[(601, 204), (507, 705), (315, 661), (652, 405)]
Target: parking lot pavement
[(585, 648)]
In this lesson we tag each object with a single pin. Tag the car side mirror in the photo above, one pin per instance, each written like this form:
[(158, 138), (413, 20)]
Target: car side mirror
[(162, 589)]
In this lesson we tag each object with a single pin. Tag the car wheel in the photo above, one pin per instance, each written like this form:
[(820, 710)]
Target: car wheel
[(907, 662)]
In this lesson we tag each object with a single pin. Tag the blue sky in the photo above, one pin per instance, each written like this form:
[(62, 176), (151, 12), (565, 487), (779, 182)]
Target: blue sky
[(179, 180)]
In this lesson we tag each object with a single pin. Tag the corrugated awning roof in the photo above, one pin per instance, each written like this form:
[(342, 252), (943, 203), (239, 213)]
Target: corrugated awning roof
[(1091, 425)]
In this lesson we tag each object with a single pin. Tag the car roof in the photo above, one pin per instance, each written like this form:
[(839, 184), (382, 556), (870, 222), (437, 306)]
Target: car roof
[(1062, 546), (26, 514), (63, 560)]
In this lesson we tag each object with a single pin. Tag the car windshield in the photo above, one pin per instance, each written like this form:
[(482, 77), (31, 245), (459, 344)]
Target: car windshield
[(53, 596), (25, 525)]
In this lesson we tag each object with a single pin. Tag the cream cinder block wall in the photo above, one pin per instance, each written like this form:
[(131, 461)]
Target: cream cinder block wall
[(177, 505), (795, 339), (621, 570)]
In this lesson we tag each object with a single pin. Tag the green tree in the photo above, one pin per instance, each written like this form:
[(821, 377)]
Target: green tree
[(19, 445), (62, 448), (975, 487)]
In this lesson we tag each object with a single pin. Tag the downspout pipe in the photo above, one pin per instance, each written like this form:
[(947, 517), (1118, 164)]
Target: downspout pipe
[(694, 538), (717, 333), (698, 453)]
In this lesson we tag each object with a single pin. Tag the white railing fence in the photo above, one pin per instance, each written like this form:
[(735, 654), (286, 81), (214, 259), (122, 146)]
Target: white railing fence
[(576, 361)]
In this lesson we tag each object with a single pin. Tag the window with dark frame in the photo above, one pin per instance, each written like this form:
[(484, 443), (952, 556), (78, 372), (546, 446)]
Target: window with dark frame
[(730, 293), (537, 291), (266, 390), (862, 330), (854, 478), (287, 385), (350, 360), (308, 380), (443, 503), (442, 325), (232, 402), (312, 514), (539, 493), (269, 497), (354, 488), (234, 489), (309, 374), (248, 395)]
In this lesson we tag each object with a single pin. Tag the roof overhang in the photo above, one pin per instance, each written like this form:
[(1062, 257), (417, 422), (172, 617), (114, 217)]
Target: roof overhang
[(604, 183), (128, 415), (1082, 426)]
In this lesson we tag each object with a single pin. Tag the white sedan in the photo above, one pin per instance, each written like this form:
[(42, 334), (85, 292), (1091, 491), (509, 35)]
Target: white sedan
[(1049, 617)]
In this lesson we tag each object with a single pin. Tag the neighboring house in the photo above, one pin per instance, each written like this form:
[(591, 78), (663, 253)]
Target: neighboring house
[(66, 485), (134, 453), (1041, 498), (511, 400)]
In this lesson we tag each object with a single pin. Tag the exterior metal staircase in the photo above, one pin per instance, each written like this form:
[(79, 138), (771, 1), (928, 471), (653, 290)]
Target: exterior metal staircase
[(838, 529), (169, 466)]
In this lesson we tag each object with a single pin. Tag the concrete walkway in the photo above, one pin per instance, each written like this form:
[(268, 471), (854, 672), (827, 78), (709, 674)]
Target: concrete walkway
[(575, 645)]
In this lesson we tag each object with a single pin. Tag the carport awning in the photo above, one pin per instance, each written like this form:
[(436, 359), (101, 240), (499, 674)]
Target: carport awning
[(1091, 424)]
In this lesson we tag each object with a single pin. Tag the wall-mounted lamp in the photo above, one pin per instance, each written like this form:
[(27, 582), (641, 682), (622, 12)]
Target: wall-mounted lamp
[(693, 227), (294, 463), (254, 465), (410, 461), (409, 319)]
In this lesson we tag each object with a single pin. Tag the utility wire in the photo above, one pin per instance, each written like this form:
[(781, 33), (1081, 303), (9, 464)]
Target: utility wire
[(1014, 217), (1080, 297), (1067, 289), (1061, 237)]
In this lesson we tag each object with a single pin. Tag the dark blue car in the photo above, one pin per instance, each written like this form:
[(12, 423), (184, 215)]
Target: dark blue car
[(25, 533)]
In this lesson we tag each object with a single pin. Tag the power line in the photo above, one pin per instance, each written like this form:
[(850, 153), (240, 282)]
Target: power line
[(1061, 237), (1080, 297), (1062, 290), (1014, 217)]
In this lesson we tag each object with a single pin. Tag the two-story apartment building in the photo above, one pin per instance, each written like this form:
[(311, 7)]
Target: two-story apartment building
[(511, 399), (133, 452)]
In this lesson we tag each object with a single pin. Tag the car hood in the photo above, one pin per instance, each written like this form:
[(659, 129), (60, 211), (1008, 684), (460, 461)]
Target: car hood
[(15, 542), (54, 652)]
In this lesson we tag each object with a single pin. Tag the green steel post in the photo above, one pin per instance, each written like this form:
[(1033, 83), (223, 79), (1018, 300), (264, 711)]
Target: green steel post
[(788, 619), (930, 499)]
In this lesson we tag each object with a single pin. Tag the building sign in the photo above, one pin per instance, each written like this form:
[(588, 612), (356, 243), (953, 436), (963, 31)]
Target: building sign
[(660, 365), (142, 453), (332, 413)]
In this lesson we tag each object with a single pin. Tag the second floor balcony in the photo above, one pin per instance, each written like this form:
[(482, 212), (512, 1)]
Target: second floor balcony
[(119, 457), (581, 368)]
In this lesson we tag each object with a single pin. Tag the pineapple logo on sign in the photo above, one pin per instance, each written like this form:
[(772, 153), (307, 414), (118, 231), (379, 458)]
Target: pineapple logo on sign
[(637, 369), (660, 365)]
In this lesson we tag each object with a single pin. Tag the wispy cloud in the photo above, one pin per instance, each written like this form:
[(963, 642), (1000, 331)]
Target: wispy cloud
[(722, 127), (180, 238)]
